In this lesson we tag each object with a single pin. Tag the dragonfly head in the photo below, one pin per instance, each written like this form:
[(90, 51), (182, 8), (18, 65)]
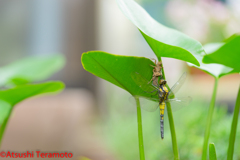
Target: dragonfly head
[(162, 82)]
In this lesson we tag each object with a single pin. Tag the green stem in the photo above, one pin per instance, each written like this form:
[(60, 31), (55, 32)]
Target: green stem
[(171, 125), (233, 128), (3, 127), (209, 121), (140, 134), (173, 132)]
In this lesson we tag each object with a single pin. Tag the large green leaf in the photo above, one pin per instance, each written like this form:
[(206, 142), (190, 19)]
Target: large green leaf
[(164, 41), (30, 69), (216, 70), (118, 69), (228, 54)]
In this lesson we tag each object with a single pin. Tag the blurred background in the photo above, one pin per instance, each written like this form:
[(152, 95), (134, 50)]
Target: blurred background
[(93, 118)]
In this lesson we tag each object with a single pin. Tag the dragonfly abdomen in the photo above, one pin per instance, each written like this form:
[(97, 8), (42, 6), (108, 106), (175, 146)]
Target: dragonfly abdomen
[(162, 107)]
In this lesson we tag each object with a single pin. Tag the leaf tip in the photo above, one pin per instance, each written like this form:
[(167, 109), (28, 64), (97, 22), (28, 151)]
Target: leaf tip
[(212, 152)]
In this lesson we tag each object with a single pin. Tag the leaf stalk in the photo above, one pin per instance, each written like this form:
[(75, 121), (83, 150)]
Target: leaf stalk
[(209, 121), (3, 127), (140, 134), (234, 128)]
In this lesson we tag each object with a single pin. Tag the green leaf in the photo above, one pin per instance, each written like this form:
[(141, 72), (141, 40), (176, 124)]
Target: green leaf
[(212, 152), (228, 54), (35, 68), (216, 70), (19, 93), (118, 69), (164, 41)]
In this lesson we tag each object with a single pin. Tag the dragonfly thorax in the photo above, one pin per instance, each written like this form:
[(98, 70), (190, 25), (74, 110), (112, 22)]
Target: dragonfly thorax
[(162, 93)]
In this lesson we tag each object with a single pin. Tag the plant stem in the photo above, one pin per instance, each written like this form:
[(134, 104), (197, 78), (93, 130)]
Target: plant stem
[(3, 127), (173, 132), (233, 128), (171, 125), (209, 121), (140, 135)]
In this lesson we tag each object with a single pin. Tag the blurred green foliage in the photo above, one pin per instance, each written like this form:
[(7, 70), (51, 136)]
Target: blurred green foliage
[(120, 131), (21, 92), (227, 54), (14, 79), (17, 74), (30, 69), (215, 70)]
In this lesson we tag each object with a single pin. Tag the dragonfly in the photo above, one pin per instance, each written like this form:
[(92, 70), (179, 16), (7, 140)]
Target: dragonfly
[(163, 93)]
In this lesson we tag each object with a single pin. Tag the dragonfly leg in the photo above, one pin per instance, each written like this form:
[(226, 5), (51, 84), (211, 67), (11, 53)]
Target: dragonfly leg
[(150, 81), (152, 91), (154, 94), (155, 61)]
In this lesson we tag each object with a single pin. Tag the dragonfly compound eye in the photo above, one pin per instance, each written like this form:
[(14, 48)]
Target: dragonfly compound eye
[(162, 81)]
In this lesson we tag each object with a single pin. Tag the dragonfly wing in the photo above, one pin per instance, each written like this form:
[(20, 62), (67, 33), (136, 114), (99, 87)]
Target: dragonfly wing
[(178, 85), (149, 104), (177, 103), (143, 83)]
